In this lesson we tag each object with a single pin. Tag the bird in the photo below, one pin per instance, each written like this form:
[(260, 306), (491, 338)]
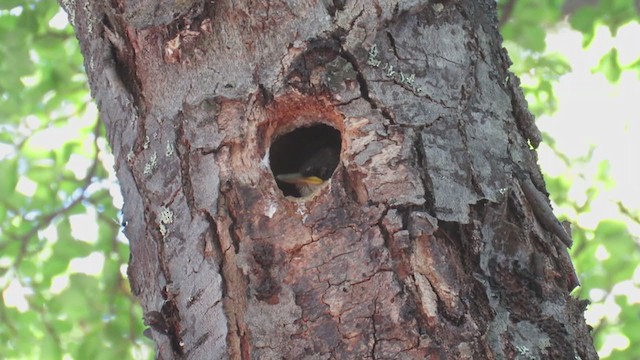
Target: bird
[(313, 172)]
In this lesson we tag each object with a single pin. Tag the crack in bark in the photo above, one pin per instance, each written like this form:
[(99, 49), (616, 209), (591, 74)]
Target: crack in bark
[(373, 325), (123, 56), (235, 239), (234, 283), (524, 119), (183, 150), (169, 309), (425, 179), (408, 284), (214, 241), (542, 210), (392, 42), (364, 87), (333, 6), (172, 316), (355, 18)]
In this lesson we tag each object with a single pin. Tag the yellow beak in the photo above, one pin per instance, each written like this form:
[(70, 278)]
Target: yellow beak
[(298, 179)]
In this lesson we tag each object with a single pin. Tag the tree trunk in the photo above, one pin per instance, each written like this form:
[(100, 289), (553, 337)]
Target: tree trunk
[(433, 238)]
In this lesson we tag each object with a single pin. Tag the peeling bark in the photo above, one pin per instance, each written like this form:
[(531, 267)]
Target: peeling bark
[(423, 244)]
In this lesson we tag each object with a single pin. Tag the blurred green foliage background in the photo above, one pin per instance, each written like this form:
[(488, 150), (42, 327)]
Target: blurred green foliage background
[(63, 257)]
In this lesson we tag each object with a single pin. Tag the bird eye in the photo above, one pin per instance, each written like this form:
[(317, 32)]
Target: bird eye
[(303, 159)]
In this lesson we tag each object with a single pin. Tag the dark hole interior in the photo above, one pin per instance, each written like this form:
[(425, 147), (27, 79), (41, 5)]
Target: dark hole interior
[(311, 151)]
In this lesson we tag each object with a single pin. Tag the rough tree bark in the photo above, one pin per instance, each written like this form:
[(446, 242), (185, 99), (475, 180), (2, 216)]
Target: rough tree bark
[(431, 240)]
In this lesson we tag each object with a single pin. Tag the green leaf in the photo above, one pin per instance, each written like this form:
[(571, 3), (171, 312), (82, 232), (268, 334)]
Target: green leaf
[(28, 268), (54, 266), (50, 349), (634, 66), (10, 248), (618, 13), (584, 20), (67, 248), (42, 174), (9, 177), (623, 257), (608, 230), (91, 346), (62, 326), (609, 66), (533, 38), (77, 301), (10, 4)]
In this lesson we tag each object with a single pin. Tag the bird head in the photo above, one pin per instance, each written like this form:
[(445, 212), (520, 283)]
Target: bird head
[(313, 172)]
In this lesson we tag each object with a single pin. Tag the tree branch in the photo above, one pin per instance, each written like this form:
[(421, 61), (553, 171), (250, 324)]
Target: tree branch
[(507, 11)]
